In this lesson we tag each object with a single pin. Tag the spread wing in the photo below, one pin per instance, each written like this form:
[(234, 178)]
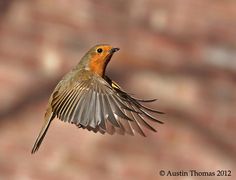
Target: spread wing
[(100, 105)]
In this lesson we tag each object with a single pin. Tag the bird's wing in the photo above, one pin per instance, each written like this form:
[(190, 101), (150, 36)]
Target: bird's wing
[(141, 115), (97, 105)]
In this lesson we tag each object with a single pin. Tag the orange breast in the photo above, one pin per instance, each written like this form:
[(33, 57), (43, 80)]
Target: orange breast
[(97, 66)]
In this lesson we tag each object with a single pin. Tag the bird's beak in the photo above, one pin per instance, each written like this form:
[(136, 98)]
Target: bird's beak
[(114, 50)]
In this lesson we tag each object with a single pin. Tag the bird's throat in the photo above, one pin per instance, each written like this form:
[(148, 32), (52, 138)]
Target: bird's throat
[(98, 66)]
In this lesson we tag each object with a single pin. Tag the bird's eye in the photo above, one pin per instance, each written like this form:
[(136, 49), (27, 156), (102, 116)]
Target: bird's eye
[(99, 50)]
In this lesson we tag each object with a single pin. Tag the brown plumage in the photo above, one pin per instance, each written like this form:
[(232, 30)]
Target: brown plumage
[(89, 99)]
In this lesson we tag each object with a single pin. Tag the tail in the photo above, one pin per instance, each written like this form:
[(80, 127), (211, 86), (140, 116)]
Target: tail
[(42, 133)]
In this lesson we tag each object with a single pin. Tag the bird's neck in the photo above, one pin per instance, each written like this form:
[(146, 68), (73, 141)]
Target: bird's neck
[(94, 64), (97, 67)]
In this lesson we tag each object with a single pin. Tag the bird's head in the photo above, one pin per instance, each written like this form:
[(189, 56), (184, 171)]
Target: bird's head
[(97, 58)]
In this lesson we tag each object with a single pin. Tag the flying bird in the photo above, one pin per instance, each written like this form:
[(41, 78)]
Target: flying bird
[(89, 99)]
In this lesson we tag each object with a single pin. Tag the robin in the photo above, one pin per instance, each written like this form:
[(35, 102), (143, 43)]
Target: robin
[(89, 99)]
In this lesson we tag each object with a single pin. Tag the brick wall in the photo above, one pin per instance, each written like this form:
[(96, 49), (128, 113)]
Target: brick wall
[(182, 51)]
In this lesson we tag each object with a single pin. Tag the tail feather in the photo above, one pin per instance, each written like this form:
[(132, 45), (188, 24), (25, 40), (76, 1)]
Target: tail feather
[(42, 134)]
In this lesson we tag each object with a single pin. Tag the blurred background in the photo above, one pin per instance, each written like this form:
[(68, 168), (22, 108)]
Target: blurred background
[(182, 52)]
